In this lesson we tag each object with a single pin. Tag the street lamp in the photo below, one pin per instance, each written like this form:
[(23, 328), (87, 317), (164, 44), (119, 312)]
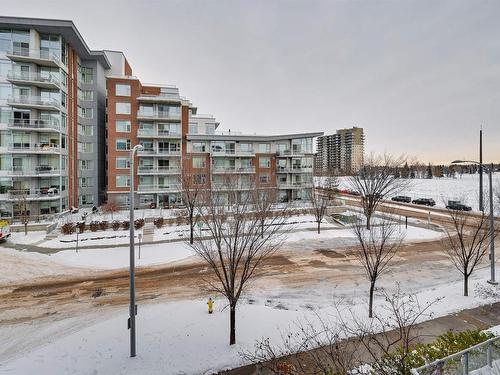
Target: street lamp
[(133, 307), (492, 219)]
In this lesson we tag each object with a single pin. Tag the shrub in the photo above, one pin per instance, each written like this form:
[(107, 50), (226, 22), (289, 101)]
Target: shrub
[(104, 225), (138, 223), (116, 225), (158, 222), (94, 226), (81, 226), (68, 228), (125, 224), (179, 220)]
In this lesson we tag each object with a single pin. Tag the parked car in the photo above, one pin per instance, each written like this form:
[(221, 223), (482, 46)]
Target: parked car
[(424, 202), (401, 198), (4, 230), (456, 205)]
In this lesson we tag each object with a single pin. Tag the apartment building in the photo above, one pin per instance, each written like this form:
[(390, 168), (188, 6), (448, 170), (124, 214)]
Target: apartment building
[(175, 138), (340, 152), (52, 118)]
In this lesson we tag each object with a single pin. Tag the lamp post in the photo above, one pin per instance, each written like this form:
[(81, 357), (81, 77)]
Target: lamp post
[(492, 219), (132, 308)]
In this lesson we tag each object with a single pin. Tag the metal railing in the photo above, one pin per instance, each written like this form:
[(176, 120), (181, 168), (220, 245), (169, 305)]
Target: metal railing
[(161, 96), (43, 170), (158, 169), (34, 193), (158, 151), (35, 54), (295, 185), (26, 147), (159, 188), (295, 170), (33, 124), (34, 100), (159, 133), (159, 115), (482, 356), (233, 170), (33, 76)]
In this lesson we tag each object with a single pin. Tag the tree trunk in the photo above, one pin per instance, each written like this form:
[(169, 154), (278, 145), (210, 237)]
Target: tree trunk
[(370, 305), (368, 220), (319, 223), (191, 229), (232, 324), (466, 286), (25, 229)]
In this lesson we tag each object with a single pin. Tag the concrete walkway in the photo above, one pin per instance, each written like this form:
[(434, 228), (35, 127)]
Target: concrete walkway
[(482, 318)]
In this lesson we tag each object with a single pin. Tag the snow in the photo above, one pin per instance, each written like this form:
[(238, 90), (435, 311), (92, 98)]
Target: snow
[(30, 238), (181, 338)]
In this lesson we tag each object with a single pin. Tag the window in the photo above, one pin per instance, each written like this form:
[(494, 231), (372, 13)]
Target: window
[(122, 163), (85, 75), (123, 126), (198, 147), (122, 144), (85, 94), (122, 181), (264, 148), (85, 182), (147, 110), (87, 130), (85, 165), (85, 112), (265, 162), (264, 178), (193, 128), (199, 179), (86, 199), (199, 163), (85, 147), (210, 128), (122, 89), (246, 147), (122, 108)]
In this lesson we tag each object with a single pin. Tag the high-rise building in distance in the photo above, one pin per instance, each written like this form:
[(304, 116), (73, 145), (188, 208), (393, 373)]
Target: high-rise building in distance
[(342, 152)]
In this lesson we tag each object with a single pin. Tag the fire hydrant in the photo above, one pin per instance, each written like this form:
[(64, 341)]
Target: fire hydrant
[(210, 304)]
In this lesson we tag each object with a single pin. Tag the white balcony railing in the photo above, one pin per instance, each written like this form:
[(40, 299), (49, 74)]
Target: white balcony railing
[(33, 124), (295, 185), (44, 78), (39, 170), (158, 133), (294, 170), (36, 54), (35, 101), (159, 151), (161, 115), (31, 147), (158, 188), (46, 193), (147, 169), (233, 170)]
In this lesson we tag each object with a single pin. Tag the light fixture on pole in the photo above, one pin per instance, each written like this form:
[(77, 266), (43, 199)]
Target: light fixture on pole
[(492, 219), (132, 307)]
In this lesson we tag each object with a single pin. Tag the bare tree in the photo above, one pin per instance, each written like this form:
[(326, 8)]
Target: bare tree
[(377, 247), (467, 241), (24, 214), (239, 243), (323, 196), (111, 207), (323, 347), (192, 186), (376, 181)]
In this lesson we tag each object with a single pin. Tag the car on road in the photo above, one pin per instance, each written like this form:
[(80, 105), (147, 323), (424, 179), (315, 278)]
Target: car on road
[(401, 198), (424, 202), (456, 205)]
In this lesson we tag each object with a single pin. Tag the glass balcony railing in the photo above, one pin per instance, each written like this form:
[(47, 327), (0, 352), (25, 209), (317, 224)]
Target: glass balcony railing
[(26, 54), (34, 101), (42, 78), (33, 147), (33, 124)]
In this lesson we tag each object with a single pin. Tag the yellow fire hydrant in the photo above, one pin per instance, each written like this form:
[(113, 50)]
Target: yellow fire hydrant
[(210, 304)]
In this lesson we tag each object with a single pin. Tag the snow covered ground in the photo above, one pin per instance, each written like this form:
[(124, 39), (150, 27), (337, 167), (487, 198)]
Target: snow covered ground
[(181, 338)]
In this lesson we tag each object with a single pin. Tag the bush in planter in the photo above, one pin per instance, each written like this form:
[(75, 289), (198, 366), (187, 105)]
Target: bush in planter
[(159, 222), (81, 226), (138, 223), (125, 224), (116, 225), (94, 226), (68, 228), (103, 225)]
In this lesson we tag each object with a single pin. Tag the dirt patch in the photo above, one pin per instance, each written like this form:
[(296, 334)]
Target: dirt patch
[(329, 253)]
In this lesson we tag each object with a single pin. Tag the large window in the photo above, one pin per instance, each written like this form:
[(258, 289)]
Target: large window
[(122, 89), (85, 75), (122, 163), (122, 181), (123, 126), (198, 147), (85, 94), (122, 108), (85, 147), (265, 162), (87, 130), (122, 144), (210, 128), (264, 148), (85, 182), (85, 165), (264, 178), (199, 162), (85, 112), (193, 128)]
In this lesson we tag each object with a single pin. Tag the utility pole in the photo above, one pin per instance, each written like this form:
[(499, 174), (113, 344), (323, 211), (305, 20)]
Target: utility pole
[(481, 201), (492, 229)]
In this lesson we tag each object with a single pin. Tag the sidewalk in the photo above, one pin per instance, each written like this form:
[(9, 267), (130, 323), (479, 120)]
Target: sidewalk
[(482, 318)]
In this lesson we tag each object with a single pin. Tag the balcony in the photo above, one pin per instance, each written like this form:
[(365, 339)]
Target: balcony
[(38, 125), (223, 186), (234, 153), (158, 151), (45, 194), (289, 153), (217, 170), (39, 170), (35, 56), (295, 185), (294, 170), (160, 170), (46, 81), (161, 98), (142, 133), (158, 188), (158, 115), (26, 148), (36, 102)]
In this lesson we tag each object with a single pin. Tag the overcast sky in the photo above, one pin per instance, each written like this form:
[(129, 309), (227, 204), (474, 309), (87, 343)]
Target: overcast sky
[(419, 76)]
